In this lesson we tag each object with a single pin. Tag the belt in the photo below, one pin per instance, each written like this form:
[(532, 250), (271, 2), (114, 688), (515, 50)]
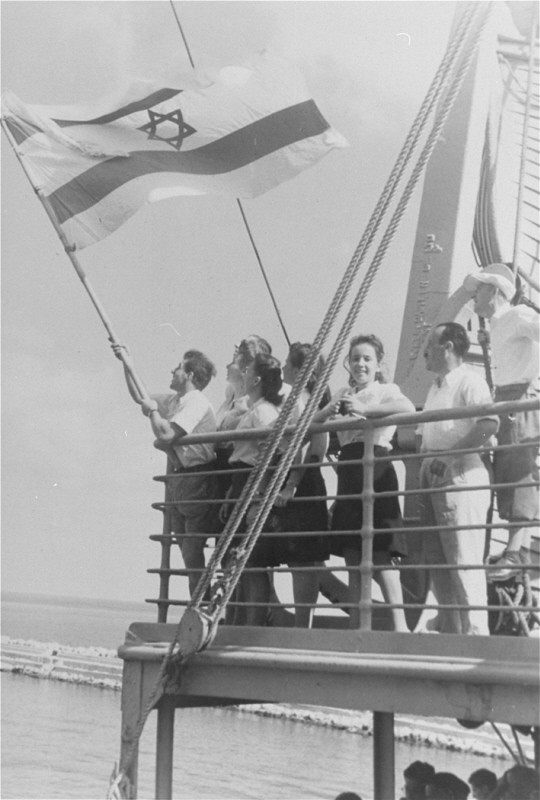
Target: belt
[(507, 387)]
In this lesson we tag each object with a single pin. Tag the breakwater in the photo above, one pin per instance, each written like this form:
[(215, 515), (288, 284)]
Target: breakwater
[(101, 667)]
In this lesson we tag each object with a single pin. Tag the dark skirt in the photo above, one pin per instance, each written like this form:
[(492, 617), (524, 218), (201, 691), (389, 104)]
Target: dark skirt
[(307, 516), (224, 477), (269, 551), (348, 513)]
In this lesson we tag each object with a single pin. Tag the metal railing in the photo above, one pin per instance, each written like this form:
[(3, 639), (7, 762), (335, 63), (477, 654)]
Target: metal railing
[(413, 570)]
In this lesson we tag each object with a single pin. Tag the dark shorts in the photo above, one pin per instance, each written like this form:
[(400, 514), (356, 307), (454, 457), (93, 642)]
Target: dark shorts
[(348, 513), (223, 474), (307, 515), (517, 465), (192, 491)]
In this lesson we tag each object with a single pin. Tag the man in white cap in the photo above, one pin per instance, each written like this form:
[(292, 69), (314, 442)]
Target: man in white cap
[(456, 518), (514, 334)]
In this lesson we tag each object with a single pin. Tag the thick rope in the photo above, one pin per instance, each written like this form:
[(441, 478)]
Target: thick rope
[(280, 472), (313, 403), (434, 93), (525, 143), (239, 202), (472, 21)]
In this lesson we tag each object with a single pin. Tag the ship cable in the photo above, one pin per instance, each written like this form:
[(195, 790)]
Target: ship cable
[(238, 201), (525, 141), (484, 240), (197, 628), (274, 486), (440, 83)]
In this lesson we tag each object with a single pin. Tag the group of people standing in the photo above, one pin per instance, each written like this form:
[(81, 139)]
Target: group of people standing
[(210, 479)]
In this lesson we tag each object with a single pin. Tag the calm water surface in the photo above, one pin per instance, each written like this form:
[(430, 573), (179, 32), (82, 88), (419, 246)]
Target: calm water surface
[(61, 740)]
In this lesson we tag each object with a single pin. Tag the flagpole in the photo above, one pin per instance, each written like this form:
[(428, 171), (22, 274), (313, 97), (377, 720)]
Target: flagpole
[(240, 206), (70, 250)]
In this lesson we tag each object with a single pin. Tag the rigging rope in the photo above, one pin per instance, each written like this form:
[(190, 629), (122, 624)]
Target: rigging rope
[(458, 56), (485, 242), (239, 202), (524, 143), (478, 21), (434, 93)]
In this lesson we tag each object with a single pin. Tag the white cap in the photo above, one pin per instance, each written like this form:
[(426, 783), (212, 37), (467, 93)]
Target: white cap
[(498, 275)]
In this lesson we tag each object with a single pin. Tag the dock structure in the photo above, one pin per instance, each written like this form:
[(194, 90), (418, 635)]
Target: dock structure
[(476, 679)]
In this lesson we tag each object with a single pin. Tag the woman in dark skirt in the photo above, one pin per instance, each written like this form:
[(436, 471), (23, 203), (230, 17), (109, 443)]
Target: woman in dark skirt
[(235, 404), (368, 396), (302, 482), (263, 384)]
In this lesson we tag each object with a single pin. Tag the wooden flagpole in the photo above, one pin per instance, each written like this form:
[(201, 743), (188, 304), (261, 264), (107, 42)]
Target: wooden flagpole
[(70, 250)]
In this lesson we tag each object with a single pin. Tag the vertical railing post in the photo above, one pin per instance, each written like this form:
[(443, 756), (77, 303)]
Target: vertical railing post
[(164, 748), (383, 756), (368, 498), (165, 565)]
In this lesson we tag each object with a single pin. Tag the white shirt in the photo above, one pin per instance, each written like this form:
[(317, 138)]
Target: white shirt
[(460, 388), (261, 414), (318, 443), (193, 413), (375, 394), (515, 331), (229, 414)]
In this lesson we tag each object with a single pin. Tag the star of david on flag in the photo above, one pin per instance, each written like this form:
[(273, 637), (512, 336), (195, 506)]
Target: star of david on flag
[(252, 128), (175, 117)]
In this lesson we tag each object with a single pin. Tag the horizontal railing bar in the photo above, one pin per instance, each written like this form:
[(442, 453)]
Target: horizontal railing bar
[(406, 529), (529, 566), (395, 456), (160, 537), (446, 489), (405, 420), (367, 569), (373, 605)]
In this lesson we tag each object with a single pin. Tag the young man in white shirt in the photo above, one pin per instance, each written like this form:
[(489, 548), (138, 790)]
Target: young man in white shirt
[(514, 335), (174, 416), (456, 386)]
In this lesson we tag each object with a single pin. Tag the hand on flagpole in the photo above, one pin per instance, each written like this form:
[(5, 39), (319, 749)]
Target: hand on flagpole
[(135, 387), (147, 406), (121, 352)]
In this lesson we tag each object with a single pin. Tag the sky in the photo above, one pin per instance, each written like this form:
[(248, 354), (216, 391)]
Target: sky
[(77, 455)]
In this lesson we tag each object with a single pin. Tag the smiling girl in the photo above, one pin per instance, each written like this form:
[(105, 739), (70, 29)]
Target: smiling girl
[(367, 396)]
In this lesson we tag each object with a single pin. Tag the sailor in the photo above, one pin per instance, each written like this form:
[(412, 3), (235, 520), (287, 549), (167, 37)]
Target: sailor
[(514, 334), (173, 416), (455, 386)]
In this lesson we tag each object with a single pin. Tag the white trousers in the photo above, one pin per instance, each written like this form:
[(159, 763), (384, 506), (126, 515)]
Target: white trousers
[(448, 509)]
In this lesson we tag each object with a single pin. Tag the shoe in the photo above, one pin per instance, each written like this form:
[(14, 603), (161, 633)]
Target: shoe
[(509, 565)]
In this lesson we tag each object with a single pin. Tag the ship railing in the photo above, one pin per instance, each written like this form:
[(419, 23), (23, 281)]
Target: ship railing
[(369, 612)]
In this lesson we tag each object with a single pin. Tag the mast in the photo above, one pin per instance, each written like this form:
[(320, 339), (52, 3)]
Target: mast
[(461, 225)]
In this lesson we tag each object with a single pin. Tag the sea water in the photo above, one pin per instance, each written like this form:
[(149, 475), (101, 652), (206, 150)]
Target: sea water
[(60, 740)]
